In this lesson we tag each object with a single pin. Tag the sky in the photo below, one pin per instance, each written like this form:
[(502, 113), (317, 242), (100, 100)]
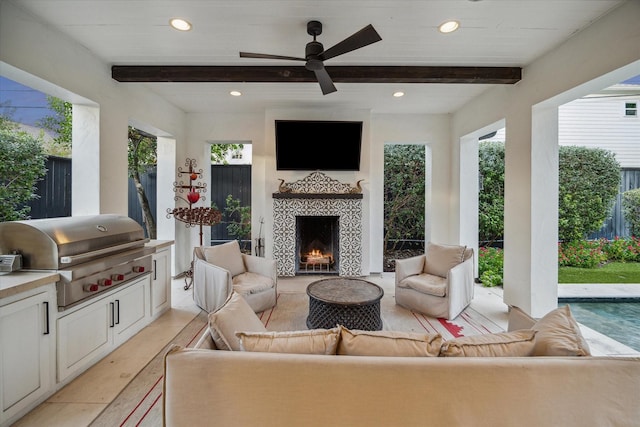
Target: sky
[(26, 104)]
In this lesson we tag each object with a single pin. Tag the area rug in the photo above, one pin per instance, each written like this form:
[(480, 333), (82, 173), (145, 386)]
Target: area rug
[(140, 403)]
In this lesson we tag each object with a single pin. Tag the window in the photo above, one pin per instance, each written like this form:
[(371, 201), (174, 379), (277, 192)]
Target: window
[(631, 109)]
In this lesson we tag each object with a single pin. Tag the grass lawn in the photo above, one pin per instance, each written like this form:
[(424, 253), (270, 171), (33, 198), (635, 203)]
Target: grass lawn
[(614, 272)]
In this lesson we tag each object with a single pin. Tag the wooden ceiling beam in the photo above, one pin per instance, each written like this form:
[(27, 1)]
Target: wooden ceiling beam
[(298, 74)]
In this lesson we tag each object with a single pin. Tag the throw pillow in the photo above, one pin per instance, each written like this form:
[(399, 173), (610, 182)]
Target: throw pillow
[(234, 315), (559, 335), (315, 341), (227, 256), (388, 343), (504, 344), (440, 259)]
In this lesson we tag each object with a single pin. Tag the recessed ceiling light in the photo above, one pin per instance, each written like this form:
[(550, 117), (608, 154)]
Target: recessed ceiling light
[(180, 24), (398, 94), (449, 26), (235, 93)]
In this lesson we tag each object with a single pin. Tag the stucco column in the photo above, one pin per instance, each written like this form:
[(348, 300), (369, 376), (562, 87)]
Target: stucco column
[(531, 210)]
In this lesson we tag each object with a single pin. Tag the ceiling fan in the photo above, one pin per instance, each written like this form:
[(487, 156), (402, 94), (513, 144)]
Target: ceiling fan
[(315, 54)]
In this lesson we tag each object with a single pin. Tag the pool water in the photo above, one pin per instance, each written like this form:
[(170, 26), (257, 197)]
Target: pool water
[(619, 320)]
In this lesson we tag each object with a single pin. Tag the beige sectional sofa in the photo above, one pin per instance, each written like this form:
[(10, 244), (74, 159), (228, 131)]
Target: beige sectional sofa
[(359, 378)]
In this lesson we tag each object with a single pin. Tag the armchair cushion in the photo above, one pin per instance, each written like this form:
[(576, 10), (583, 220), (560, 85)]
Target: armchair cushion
[(426, 284), (251, 283), (227, 256), (442, 258), (235, 315)]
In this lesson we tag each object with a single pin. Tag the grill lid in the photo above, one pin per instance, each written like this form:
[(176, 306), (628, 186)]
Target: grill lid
[(55, 243)]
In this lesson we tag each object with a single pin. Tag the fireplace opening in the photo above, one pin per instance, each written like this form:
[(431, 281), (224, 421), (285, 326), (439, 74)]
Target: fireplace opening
[(317, 244)]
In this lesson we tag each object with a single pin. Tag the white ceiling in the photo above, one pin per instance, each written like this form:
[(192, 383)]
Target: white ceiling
[(492, 33)]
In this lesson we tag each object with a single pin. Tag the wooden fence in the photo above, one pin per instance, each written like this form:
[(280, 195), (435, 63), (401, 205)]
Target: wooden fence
[(54, 193)]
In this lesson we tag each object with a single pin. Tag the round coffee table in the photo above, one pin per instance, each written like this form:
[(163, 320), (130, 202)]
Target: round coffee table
[(352, 303)]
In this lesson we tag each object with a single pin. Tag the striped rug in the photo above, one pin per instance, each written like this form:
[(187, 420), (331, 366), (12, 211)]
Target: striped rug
[(140, 403)]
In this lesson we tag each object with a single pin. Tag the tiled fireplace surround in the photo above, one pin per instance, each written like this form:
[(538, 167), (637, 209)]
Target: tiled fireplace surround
[(318, 195)]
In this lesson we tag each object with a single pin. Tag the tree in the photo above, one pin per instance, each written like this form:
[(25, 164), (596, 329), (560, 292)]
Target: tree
[(142, 153), (589, 181), (491, 194), (238, 219), (404, 194), (219, 152), (22, 164), (60, 123)]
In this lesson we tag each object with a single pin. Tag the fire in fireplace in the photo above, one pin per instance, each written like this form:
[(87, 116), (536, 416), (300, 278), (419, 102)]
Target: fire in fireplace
[(317, 244)]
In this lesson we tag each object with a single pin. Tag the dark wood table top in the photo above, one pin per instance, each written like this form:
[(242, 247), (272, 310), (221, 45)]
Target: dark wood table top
[(347, 291)]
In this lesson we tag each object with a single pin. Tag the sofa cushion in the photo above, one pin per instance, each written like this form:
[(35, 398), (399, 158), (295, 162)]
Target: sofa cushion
[(227, 256), (504, 344), (559, 335), (234, 315), (442, 258), (426, 284), (315, 341), (388, 343), (251, 283)]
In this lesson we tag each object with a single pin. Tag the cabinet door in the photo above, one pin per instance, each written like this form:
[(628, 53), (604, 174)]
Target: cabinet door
[(131, 310), (83, 337), (161, 283), (26, 349)]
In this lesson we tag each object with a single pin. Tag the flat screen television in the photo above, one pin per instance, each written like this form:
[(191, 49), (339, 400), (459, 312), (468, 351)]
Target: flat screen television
[(318, 145)]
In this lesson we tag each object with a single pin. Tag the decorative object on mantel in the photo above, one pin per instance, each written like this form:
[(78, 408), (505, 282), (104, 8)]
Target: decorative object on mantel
[(191, 215), (319, 183), (283, 187), (358, 188)]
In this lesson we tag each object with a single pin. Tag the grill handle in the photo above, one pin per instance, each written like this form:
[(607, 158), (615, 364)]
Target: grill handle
[(99, 252)]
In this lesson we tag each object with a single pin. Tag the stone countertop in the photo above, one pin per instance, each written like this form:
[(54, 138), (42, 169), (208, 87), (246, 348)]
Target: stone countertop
[(23, 281), (159, 244)]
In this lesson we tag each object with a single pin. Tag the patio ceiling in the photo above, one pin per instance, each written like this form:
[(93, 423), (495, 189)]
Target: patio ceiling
[(493, 33)]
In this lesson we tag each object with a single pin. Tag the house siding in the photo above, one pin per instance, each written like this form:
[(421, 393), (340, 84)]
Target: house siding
[(602, 123)]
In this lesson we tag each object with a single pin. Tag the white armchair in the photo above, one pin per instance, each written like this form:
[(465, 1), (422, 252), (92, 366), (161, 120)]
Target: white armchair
[(218, 270), (439, 283)]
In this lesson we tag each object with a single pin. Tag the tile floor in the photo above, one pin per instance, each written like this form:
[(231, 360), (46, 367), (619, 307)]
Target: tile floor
[(79, 402)]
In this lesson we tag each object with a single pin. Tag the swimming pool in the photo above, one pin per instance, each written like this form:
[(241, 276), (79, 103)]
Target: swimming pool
[(618, 318)]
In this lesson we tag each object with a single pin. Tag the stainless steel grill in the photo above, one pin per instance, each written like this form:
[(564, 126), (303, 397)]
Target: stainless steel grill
[(92, 254)]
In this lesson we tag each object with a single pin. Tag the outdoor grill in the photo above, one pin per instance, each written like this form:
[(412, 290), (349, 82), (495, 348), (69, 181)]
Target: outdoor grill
[(92, 254)]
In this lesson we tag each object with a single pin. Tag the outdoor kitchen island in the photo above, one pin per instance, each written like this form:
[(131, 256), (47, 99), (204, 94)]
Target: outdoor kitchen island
[(42, 349)]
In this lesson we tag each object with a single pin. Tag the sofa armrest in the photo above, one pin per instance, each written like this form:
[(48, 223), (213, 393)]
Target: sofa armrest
[(460, 286), (409, 267), (518, 319), (205, 342), (263, 266)]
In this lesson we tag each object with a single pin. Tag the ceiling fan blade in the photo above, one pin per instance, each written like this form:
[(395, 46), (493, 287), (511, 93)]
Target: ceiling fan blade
[(326, 84), (362, 38), (267, 56)]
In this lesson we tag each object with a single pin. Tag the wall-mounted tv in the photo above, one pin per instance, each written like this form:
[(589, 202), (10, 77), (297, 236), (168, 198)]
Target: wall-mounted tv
[(318, 145)]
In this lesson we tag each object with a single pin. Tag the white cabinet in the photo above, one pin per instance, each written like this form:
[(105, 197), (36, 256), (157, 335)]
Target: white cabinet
[(91, 331), (161, 282), (27, 351)]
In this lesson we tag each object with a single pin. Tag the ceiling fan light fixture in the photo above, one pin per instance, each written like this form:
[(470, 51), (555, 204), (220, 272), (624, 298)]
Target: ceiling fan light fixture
[(448, 26), (180, 24), (235, 93)]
